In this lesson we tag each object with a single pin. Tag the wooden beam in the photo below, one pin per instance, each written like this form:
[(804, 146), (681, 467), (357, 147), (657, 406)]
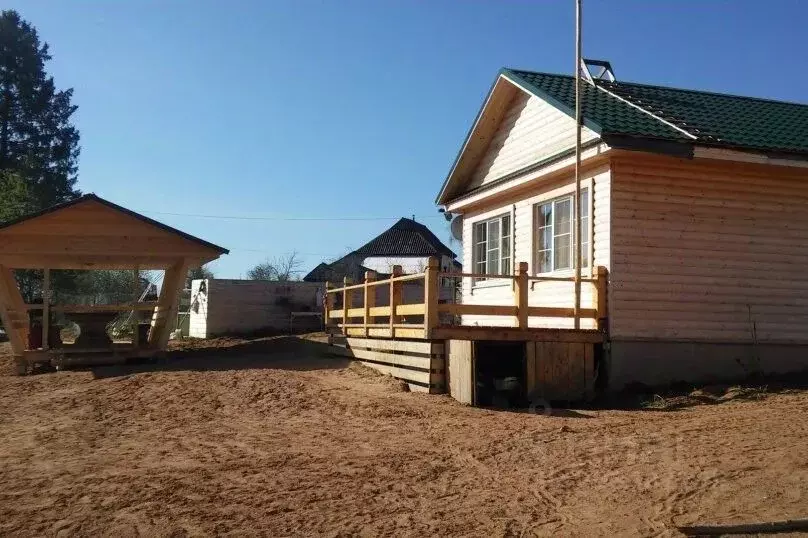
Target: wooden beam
[(347, 296), (135, 312), (369, 299), (602, 288), (395, 297), (431, 295), (478, 309), (46, 300), (427, 348), (96, 245), (520, 295), (559, 312), (20, 318), (76, 262), (173, 281), (6, 308), (517, 335)]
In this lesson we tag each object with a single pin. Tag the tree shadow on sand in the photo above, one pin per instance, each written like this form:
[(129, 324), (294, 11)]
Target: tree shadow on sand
[(283, 353)]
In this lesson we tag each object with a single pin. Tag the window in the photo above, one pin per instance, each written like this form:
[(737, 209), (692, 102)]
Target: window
[(555, 228), (492, 246)]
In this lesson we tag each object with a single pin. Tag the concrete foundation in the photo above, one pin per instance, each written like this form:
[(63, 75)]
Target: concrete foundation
[(656, 363)]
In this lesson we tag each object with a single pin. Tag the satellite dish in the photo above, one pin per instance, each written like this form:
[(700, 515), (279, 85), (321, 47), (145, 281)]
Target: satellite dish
[(457, 228)]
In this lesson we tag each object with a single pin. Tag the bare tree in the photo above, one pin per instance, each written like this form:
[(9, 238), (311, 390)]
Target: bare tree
[(197, 273), (281, 269)]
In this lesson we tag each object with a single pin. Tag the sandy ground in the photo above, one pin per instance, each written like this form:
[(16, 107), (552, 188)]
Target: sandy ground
[(264, 437)]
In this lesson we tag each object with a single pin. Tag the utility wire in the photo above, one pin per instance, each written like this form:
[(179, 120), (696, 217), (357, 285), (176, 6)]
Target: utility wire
[(238, 217)]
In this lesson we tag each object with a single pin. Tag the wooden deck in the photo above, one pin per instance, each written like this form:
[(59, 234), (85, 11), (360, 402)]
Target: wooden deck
[(358, 315), (427, 344)]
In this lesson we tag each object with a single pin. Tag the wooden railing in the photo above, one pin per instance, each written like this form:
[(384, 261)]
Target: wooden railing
[(418, 320)]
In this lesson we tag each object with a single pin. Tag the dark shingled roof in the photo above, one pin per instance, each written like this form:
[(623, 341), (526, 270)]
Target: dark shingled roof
[(335, 272), (405, 238), (713, 119)]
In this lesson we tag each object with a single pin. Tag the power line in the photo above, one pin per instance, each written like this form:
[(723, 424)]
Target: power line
[(239, 217)]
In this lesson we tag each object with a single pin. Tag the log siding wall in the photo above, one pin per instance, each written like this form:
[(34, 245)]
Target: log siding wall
[(708, 251)]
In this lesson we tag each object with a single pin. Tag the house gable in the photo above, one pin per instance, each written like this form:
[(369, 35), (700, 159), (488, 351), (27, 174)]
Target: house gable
[(516, 128)]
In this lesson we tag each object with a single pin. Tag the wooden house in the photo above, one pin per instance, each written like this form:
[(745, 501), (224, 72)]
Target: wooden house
[(693, 219)]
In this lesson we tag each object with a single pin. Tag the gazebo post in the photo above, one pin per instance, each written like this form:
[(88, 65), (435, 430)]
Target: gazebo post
[(167, 304), (46, 309), (8, 309), (135, 311)]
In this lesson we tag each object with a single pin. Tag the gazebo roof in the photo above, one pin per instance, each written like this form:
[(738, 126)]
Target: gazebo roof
[(90, 232)]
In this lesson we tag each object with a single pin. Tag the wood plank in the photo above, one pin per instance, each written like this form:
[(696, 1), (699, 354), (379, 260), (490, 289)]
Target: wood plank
[(550, 350), (376, 311), (556, 312), (459, 370), (530, 368), (87, 262), (46, 300), (464, 332), (16, 305), (424, 363), (589, 371), (377, 332), (477, 309), (424, 347), (80, 245), (541, 373), (409, 309), (576, 382), (18, 346), (403, 373), (173, 280)]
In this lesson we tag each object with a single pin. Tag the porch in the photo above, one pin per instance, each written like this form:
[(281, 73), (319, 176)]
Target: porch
[(437, 349)]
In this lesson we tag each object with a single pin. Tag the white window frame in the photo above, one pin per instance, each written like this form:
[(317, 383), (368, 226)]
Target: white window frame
[(586, 227), (503, 240)]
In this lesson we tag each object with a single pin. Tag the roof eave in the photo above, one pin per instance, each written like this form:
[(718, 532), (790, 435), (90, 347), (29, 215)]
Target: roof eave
[(95, 198)]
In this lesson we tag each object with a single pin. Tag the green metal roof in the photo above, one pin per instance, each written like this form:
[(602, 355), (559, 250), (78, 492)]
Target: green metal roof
[(651, 112)]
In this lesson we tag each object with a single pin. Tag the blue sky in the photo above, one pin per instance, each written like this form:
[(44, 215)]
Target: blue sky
[(304, 109)]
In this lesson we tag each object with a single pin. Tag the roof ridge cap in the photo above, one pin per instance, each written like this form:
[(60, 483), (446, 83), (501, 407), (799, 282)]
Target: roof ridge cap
[(655, 116)]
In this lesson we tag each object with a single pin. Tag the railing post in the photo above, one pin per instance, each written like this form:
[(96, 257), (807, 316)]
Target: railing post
[(395, 298), (602, 287), (328, 304), (370, 299), (520, 295), (431, 294), (346, 303)]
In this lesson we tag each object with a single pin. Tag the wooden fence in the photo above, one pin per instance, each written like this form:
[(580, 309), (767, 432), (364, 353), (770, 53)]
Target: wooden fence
[(358, 314)]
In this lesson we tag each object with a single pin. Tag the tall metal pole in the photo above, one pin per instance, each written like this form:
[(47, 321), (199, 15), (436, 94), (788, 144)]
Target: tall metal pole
[(577, 238)]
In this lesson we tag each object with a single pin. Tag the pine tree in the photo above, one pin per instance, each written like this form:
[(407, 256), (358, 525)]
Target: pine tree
[(39, 146), (38, 142)]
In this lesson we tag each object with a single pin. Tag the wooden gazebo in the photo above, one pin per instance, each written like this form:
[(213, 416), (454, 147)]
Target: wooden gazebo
[(90, 233)]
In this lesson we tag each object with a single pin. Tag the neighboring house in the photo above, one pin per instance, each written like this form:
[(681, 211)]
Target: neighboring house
[(694, 201), (337, 271), (407, 243)]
